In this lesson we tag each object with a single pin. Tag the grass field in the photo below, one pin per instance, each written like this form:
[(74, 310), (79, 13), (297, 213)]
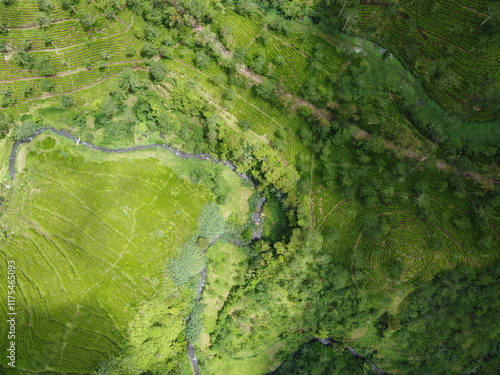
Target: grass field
[(90, 234)]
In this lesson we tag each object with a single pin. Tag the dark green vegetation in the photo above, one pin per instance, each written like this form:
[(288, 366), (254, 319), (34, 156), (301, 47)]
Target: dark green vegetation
[(380, 229)]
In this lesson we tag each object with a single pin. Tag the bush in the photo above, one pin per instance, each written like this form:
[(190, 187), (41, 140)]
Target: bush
[(166, 52), (187, 264), (28, 91), (67, 101), (88, 64), (45, 5), (130, 52), (305, 111), (47, 85), (24, 59), (202, 60), (47, 40), (4, 126), (3, 29), (25, 130), (45, 67), (211, 224), (194, 323), (69, 5), (8, 99), (157, 71), (44, 20), (266, 89), (245, 124), (148, 50)]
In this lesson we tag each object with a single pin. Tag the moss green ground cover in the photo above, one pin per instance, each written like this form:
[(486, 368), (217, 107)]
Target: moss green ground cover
[(90, 234), (392, 223)]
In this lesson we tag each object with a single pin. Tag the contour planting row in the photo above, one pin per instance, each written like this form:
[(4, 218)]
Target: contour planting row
[(440, 29), (404, 248), (65, 84), (23, 14), (243, 29), (58, 33), (265, 117)]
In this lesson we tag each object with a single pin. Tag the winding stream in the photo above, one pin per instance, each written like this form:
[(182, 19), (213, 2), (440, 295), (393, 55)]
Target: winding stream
[(66, 134), (327, 342)]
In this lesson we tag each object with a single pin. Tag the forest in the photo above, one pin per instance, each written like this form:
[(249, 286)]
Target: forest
[(252, 187)]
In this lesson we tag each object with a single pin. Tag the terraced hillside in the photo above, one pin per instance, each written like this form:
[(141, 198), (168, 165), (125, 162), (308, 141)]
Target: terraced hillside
[(63, 56), (370, 195), (450, 45)]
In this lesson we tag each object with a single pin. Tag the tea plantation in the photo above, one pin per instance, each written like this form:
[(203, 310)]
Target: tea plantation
[(240, 187)]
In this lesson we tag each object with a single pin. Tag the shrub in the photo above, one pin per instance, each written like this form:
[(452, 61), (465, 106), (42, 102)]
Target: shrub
[(210, 222), (44, 66), (4, 126), (305, 111), (47, 40), (194, 323), (3, 29), (166, 52), (187, 264), (25, 130), (47, 85), (130, 52), (266, 89), (44, 20), (148, 50), (45, 5), (157, 71), (69, 5), (88, 64), (245, 124), (28, 91), (8, 99), (67, 101), (202, 60)]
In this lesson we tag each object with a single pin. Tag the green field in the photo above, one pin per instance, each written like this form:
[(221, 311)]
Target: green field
[(369, 127), (90, 234)]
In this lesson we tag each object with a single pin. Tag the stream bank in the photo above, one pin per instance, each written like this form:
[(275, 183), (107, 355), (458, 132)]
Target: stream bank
[(66, 134)]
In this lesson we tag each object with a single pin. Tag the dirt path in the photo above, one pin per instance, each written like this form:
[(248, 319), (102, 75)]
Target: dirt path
[(33, 26), (76, 71), (323, 113)]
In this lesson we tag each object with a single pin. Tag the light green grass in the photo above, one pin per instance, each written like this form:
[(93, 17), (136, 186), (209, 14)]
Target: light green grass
[(224, 262), (83, 229)]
